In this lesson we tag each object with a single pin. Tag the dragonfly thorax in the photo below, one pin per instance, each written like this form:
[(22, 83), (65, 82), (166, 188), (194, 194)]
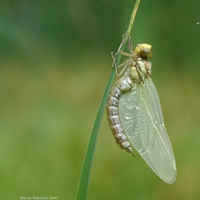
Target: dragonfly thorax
[(139, 70)]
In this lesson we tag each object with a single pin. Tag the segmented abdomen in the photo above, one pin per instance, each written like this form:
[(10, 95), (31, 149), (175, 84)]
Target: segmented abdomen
[(123, 85)]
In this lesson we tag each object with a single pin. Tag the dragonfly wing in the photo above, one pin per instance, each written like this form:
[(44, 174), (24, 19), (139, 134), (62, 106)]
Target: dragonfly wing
[(141, 117)]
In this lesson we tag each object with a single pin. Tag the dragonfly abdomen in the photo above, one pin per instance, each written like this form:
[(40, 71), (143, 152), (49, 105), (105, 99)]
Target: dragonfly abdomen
[(123, 85)]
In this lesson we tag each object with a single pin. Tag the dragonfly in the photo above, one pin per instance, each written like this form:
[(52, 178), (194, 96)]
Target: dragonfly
[(135, 116)]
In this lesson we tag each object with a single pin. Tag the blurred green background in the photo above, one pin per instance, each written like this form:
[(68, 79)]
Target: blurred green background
[(54, 65)]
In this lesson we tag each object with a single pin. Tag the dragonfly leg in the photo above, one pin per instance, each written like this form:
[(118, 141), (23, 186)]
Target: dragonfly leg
[(124, 53), (124, 65), (123, 41), (119, 51), (130, 44)]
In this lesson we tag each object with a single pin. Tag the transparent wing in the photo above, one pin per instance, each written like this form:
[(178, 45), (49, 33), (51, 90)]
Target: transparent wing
[(142, 121)]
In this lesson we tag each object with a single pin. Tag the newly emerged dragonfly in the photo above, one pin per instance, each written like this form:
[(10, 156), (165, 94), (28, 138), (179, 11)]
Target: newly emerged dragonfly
[(135, 116)]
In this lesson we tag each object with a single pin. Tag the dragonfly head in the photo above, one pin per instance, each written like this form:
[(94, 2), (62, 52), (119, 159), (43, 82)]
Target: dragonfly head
[(143, 50)]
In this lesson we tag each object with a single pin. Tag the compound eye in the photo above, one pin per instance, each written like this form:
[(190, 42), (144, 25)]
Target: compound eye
[(146, 52)]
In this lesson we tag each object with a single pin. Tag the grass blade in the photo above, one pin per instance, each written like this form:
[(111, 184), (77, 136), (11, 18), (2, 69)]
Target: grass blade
[(82, 189), (85, 175)]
